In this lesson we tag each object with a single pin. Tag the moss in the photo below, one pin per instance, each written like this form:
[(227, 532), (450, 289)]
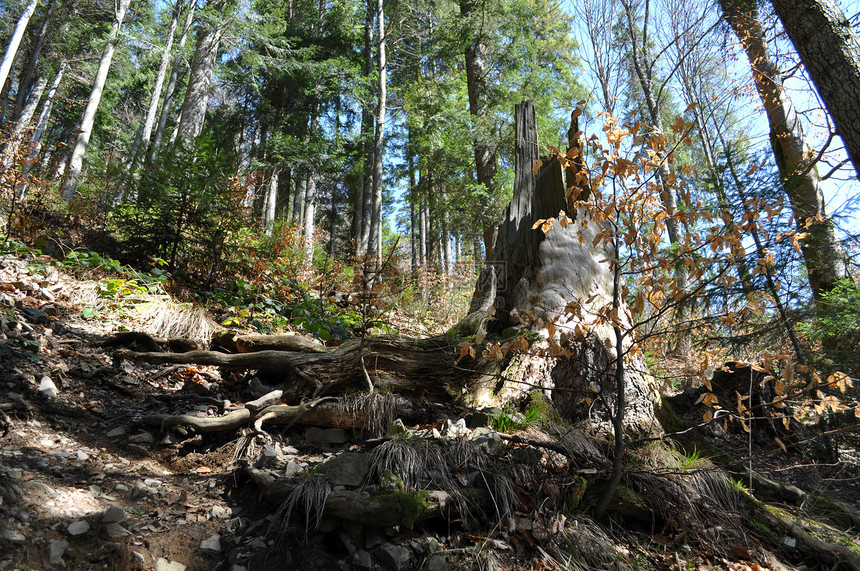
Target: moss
[(576, 492), (405, 507), (763, 527), (669, 418)]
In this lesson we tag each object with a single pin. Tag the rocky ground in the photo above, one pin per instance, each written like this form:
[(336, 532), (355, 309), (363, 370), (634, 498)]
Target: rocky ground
[(85, 483)]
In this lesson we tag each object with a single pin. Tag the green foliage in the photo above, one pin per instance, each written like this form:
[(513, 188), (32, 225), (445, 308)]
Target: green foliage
[(838, 329), (539, 409)]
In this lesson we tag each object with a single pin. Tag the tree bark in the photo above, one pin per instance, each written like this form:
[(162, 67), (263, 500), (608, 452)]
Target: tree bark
[(374, 250), (363, 206), (270, 202), (476, 83), (15, 41), (196, 100), (23, 122), (27, 75), (42, 125), (142, 147), (170, 92), (73, 172), (826, 260), (830, 51)]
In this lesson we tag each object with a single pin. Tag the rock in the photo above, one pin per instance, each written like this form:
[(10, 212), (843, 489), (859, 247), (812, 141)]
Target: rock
[(361, 559), (48, 388), (115, 531), (82, 456), (164, 565), (219, 512), (347, 469), (142, 438), (12, 536), (114, 514), (257, 388), (292, 469), (270, 457), (454, 429), (116, 432), (267, 399), (34, 315), (393, 556), (325, 436), (46, 295), (56, 550), (51, 310), (139, 557), (489, 440), (77, 528), (289, 450), (436, 562), (212, 544)]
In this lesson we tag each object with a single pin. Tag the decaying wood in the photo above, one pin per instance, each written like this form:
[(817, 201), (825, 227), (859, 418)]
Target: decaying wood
[(356, 506)]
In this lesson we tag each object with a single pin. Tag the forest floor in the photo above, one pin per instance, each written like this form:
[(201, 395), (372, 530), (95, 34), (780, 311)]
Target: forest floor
[(83, 486)]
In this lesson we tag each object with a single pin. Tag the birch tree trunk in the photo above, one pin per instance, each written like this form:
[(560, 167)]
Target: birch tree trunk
[(826, 260), (73, 171), (200, 75), (270, 202), (374, 250), (149, 122), (27, 75), (15, 41), (830, 51), (23, 123), (310, 214), (170, 92)]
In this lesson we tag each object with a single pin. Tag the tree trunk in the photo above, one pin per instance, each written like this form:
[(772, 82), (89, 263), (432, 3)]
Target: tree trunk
[(196, 100), (22, 123), (171, 83), (42, 125), (826, 260), (15, 41), (363, 205), (374, 249), (561, 279), (27, 75), (476, 83), (830, 51), (310, 214), (73, 172), (270, 202), (149, 122)]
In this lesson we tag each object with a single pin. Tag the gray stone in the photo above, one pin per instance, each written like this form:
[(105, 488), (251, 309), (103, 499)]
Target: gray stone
[(325, 436), (293, 468), (212, 544), (116, 432), (393, 556), (51, 310), (48, 388), (139, 557), (46, 295), (347, 469), (78, 528), (82, 456), (436, 562), (219, 512), (270, 457), (56, 550), (454, 429), (354, 530), (361, 559), (12, 536), (115, 531), (164, 565), (257, 388), (489, 440), (114, 514), (290, 450), (34, 315), (142, 438)]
